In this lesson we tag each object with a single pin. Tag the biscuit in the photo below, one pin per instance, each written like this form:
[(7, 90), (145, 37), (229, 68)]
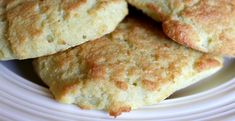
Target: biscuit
[(205, 25), (134, 66), (34, 28)]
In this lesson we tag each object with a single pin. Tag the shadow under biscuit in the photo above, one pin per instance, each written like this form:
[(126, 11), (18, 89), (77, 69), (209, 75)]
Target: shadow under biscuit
[(24, 69)]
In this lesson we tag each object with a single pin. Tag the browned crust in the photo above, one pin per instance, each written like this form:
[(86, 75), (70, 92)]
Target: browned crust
[(181, 33), (204, 25), (116, 111), (96, 72), (157, 10), (185, 34), (121, 85), (205, 62), (61, 92), (150, 85), (73, 5)]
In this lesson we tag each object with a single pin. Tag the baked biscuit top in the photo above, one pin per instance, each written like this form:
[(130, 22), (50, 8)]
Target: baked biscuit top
[(33, 28), (205, 25), (135, 65)]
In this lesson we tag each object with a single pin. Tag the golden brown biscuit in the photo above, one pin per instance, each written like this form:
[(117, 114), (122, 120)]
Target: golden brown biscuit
[(134, 66), (33, 28), (205, 25)]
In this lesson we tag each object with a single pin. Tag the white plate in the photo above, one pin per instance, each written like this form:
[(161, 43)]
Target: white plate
[(21, 99)]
